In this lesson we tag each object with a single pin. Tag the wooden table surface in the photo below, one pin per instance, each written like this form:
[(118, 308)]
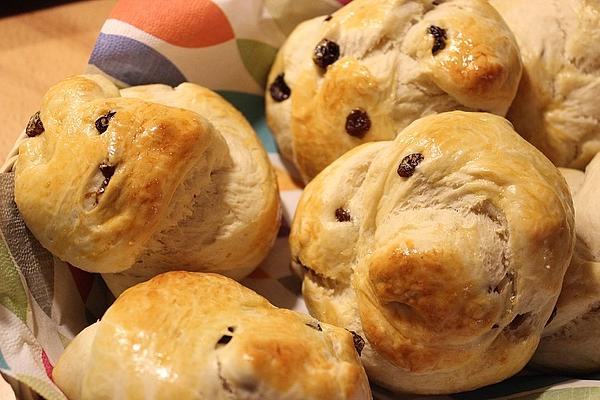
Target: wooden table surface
[(37, 49)]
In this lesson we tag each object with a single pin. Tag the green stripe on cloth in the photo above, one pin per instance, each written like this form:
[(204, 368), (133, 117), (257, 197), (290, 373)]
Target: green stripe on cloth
[(257, 58), (63, 339), (577, 393), (12, 293), (514, 385), (3, 363), (41, 387)]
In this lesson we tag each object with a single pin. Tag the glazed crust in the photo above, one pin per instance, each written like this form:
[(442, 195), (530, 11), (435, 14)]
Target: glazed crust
[(190, 184), (203, 336), (556, 107), (449, 273), (570, 342), (388, 68)]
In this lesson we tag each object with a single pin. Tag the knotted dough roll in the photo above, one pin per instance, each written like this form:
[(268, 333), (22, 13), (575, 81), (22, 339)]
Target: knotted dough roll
[(122, 183), (571, 341), (373, 67), (185, 335), (556, 107), (445, 249)]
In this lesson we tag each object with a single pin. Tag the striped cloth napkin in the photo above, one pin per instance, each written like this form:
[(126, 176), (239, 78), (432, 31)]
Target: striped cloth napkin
[(228, 46)]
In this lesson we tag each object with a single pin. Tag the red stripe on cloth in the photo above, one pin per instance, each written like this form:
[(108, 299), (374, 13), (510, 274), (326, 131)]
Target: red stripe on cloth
[(47, 365), (185, 23)]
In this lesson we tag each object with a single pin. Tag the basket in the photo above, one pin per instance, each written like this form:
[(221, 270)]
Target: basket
[(22, 391), (13, 154)]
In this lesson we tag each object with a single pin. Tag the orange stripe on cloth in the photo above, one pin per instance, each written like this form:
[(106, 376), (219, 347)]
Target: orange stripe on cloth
[(185, 23)]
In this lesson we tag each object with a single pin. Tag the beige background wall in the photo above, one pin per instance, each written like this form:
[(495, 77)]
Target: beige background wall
[(38, 49)]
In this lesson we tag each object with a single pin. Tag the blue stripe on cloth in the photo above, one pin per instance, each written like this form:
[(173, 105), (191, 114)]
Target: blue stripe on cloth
[(253, 108), (3, 364), (133, 62)]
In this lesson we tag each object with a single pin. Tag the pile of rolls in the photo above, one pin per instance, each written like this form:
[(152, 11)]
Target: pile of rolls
[(447, 235)]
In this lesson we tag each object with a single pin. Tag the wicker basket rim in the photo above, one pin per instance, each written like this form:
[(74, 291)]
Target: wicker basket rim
[(13, 154)]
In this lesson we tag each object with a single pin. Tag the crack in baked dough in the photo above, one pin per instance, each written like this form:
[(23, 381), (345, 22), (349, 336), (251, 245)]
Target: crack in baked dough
[(497, 217), (224, 383), (320, 279), (387, 43)]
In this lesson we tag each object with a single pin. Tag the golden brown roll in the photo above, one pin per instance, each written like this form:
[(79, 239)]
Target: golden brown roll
[(373, 67), (571, 341), (556, 107), (185, 335), (445, 249), (132, 183)]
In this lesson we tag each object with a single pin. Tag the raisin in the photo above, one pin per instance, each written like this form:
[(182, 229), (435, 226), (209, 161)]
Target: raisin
[(279, 90), (358, 123), (326, 53), (224, 340), (107, 172), (102, 122), (34, 126), (315, 326), (408, 164), (439, 38), (342, 215), (359, 342), (231, 329)]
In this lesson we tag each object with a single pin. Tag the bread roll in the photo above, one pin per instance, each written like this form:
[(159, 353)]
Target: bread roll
[(445, 249), (556, 107), (185, 335), (373, 67), (124, 184), (571, 341)]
